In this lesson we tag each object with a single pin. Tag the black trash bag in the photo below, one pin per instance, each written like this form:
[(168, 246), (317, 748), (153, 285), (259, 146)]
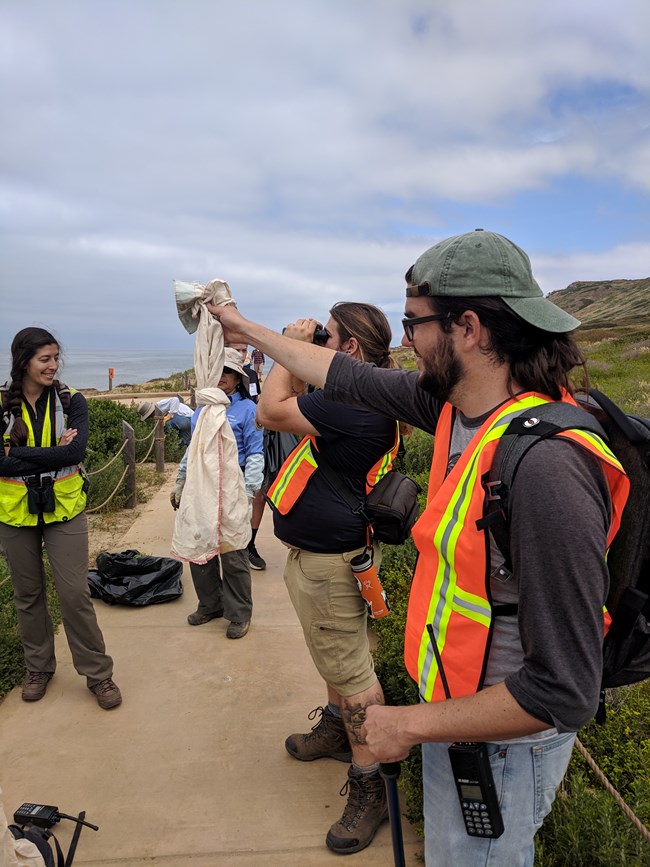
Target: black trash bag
[(278, 445), (132, 578)]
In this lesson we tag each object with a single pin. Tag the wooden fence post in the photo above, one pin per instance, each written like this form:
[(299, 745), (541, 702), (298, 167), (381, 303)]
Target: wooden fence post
[(129, 462), (159, 437)]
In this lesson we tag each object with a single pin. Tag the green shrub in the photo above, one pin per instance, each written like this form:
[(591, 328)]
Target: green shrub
[(105, 440)]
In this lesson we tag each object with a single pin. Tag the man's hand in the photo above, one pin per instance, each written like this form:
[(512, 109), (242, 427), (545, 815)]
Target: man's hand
[(301, 329), (232, 322), (382, 734)]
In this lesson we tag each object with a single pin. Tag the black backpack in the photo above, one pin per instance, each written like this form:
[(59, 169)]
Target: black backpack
[(40, 838), (626, 649)]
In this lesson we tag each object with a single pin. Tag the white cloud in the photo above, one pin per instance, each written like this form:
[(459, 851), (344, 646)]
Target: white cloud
[(624, 262), (308, 151)]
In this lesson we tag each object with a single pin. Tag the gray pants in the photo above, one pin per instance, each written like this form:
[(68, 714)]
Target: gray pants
[(66, 543), (226, 588)]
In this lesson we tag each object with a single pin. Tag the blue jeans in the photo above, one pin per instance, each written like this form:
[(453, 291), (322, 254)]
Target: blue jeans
[(526, 777), (183, 424)]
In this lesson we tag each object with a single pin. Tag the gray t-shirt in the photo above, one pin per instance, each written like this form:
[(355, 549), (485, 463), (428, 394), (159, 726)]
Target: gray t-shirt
[(550, 653)]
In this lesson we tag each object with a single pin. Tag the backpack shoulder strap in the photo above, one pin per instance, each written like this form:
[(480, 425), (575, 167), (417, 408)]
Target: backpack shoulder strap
[(634, 428), (524, 432), (65, 396)]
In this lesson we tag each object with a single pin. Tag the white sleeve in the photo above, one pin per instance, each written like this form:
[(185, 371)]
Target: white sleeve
[(254, 473)]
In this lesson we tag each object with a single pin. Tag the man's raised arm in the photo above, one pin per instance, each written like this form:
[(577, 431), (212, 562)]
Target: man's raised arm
[(305, 360)]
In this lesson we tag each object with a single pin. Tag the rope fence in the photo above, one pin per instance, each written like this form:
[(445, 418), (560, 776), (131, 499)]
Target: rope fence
[(127, 450), (111, 495), (638, 824), (106, 465)]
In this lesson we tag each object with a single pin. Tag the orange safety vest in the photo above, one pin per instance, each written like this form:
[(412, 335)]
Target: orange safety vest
[(295, 473), (450, 592)]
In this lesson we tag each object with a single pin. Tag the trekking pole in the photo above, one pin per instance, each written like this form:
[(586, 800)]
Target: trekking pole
[(390, 773)]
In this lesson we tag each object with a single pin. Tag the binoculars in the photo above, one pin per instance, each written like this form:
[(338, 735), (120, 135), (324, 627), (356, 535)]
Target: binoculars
[(40, 494)]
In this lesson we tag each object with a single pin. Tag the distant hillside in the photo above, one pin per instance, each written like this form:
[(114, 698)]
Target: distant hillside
[(606, 303)]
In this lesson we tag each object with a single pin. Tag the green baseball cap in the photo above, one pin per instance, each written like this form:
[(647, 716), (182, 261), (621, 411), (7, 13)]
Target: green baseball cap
[(482, 263)]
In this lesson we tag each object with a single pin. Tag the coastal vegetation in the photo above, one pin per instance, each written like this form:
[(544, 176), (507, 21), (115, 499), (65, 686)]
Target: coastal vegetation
[(105, 440)]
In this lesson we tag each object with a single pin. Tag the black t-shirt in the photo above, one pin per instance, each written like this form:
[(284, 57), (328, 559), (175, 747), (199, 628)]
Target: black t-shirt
[(352, 440)]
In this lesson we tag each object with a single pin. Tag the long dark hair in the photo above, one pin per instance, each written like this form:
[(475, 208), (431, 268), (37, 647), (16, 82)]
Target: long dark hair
[(24, 347), (538, 360), (369, 326)]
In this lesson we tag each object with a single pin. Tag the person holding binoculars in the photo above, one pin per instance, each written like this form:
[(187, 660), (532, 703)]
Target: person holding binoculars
[(323, 537), (42, 500)]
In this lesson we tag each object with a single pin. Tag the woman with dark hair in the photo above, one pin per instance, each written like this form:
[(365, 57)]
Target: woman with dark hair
[(42, 500), (324, 535)]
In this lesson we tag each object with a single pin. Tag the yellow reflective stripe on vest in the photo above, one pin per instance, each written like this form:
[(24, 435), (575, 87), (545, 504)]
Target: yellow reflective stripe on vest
[(383, 465), (46, 433), (596, 442), (288, 471), (447, 596)]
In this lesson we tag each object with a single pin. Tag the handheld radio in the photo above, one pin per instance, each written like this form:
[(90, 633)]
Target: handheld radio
[(470, 766), (475, 786)]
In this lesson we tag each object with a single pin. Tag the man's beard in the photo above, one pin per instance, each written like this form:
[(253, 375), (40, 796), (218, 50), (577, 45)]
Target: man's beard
[(442, 370)]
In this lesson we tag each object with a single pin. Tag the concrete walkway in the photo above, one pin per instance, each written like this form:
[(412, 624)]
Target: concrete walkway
[(191, 769)]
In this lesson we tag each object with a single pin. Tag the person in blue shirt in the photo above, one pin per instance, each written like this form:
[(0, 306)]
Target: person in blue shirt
[(223, 584)]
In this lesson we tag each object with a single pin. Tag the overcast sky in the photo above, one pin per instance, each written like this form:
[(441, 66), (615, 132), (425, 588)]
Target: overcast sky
[(307, 151)]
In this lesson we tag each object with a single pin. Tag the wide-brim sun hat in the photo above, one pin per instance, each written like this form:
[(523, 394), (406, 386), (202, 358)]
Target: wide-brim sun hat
[(146, 409), (232, 362), (482, 264)]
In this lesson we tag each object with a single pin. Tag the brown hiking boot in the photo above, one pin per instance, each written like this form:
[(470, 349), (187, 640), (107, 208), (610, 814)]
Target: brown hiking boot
[(35, 685), (364, 812), (328, 739), (237, 630), (198, 619), (107, 693)]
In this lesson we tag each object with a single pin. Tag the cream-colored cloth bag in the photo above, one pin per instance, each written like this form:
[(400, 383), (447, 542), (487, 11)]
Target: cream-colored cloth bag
[(213, 515)]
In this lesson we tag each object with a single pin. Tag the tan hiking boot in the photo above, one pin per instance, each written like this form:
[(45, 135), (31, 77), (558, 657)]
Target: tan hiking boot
[(328, 739), (364, 812), (35, 685)]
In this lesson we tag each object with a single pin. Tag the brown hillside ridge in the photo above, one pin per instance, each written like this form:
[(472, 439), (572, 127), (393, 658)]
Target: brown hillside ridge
[(606, 302)]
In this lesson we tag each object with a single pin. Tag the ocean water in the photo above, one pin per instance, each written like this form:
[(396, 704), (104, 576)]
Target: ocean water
[(88, 368)]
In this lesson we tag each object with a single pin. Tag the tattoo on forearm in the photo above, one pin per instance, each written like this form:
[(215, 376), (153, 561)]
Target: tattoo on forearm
[(354, 717)]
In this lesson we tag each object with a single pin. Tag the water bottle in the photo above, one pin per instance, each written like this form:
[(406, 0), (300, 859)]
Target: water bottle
[(369, 585)]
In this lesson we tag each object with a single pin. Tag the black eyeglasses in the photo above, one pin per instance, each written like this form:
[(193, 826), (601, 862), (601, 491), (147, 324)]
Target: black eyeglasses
[(409, 324)]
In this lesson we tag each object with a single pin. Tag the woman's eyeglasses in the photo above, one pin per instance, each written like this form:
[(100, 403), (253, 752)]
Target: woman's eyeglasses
[(409, 324)]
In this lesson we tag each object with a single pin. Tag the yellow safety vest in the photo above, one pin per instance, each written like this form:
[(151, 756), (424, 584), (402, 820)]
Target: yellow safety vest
[(68, 483)]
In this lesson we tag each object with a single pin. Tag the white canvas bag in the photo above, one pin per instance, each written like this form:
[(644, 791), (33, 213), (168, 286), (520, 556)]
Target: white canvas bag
[(213, 516)]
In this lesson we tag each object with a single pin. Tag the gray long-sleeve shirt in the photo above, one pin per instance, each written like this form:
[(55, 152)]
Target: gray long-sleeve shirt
[(560, 512)]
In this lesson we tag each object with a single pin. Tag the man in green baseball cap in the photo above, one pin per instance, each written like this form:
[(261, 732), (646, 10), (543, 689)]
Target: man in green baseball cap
[(484, 264), (506, 648)]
